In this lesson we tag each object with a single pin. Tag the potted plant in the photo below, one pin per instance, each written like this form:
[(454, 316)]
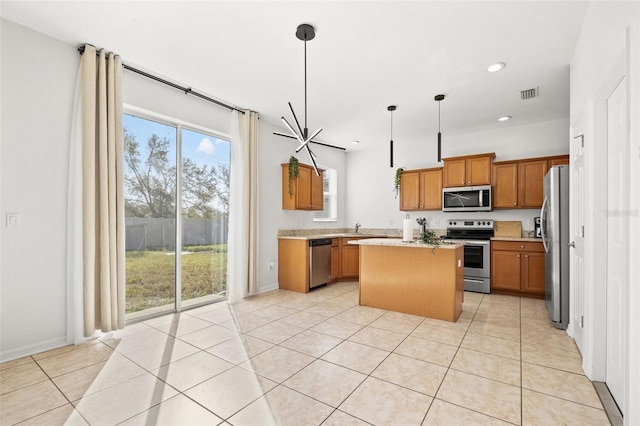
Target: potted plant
[(294, 173), (396, 181), (428, 236)]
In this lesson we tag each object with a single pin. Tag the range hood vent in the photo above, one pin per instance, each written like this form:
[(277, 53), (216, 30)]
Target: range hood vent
[(529, 94)]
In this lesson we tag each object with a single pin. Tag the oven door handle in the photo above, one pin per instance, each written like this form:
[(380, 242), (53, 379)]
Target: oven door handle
[(477, 243)]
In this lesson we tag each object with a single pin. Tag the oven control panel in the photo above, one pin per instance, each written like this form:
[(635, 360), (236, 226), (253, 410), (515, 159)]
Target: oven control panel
[(468, 224)]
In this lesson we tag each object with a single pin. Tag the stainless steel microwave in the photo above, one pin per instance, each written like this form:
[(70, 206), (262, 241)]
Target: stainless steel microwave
[(467, 199)]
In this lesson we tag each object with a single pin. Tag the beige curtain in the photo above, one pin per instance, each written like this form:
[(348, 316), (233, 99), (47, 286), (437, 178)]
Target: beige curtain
[(102, 192), (242, 275)]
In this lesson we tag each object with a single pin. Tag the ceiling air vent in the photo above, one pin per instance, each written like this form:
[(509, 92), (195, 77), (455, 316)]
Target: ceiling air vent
[(529, 94)]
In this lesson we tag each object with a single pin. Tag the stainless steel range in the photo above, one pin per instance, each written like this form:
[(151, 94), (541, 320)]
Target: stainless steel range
[(477, 235)]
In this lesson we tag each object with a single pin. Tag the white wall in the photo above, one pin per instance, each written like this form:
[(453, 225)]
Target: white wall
[(610, 29), (38, 81), (275, 150), (372, 202)]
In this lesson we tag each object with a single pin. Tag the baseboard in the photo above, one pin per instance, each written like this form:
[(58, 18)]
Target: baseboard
[(33, 349), (609, 404), (268, 288)]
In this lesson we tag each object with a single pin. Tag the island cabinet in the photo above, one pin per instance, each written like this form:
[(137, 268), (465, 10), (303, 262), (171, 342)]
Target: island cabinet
[(470, 170), (421, 189), (415, 279), (517, 268), (519, 183), (305, 191)]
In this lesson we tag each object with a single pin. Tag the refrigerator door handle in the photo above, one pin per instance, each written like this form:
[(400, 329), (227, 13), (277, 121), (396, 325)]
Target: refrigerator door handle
[(543, 224)]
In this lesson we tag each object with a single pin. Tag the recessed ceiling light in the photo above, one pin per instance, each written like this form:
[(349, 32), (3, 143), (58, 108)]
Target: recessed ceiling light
[(496, 67), (504, 118), (355, 142)]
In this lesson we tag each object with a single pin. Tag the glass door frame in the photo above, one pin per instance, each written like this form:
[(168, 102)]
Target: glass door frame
[(179, 125)]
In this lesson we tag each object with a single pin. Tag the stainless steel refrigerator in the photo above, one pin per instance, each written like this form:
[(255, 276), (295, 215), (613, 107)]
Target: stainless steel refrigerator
[(554, 226)]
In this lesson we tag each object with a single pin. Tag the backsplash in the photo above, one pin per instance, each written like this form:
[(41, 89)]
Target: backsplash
[(389, 232)]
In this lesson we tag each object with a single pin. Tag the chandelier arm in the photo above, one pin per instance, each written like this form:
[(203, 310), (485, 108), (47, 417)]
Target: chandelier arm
[(295, 118), (341, 148), (293, 132), (308, 140), (313, 160)]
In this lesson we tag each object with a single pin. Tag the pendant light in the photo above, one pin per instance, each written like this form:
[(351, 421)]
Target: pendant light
[(391, 108), (304, 32), (439, 98)]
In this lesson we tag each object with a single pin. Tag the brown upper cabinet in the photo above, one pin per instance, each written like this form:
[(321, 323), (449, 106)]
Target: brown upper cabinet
[(306, 189), (421, 189), (518, 184), (470, 170)]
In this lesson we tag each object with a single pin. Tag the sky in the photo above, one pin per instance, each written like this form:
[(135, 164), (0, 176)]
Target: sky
[(199, 147)]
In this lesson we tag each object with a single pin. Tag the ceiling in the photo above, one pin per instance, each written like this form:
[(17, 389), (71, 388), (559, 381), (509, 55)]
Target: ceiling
[(365, 57)]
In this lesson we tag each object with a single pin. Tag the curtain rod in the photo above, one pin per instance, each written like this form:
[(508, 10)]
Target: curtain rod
[(186, 90)]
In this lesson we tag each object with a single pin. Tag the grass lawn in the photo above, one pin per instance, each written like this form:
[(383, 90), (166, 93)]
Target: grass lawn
[(151, 276)]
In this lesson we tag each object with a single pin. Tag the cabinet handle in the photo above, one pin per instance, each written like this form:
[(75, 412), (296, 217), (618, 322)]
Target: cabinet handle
[(521, 246), (526, 255), (518, 256)]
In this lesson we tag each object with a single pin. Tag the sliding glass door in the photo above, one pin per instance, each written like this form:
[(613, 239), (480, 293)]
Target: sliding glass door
[(164, 163), (205, 215)]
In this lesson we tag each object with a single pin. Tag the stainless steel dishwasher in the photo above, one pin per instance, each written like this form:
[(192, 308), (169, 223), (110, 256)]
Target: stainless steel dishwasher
[(319, 262)]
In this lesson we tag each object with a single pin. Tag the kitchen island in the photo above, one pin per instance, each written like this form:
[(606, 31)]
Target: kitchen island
[(412, 277)]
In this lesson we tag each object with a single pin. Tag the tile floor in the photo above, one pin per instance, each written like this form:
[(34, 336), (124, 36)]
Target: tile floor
[(295, 359)]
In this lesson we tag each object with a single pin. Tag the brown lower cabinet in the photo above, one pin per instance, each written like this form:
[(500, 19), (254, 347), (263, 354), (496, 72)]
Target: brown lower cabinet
[(349, 259), (350, 267), (293, 262), (335, 259), (517, 268)]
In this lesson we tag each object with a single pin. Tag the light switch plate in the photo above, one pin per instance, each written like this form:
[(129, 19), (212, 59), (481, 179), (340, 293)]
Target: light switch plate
[(13, 220)]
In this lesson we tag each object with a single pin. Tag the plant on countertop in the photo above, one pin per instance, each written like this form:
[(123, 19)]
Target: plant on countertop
[(430, 237), (396, 181), (294, 173)]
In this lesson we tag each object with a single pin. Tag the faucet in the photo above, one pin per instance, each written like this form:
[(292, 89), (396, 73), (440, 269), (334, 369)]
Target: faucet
[(357, 227)]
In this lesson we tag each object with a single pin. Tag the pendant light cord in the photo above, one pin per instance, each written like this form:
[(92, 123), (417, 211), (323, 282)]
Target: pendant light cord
[(305, 88)]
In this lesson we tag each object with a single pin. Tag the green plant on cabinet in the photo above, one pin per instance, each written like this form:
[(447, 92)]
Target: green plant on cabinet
[(294, 173), (396, 181)]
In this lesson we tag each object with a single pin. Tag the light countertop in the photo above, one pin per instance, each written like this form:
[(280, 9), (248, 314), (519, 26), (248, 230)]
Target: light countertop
[(397, 242), (334, 235), (525, 239)]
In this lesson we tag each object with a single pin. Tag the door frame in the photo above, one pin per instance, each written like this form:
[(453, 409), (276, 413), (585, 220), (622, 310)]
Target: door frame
[(594, 355)]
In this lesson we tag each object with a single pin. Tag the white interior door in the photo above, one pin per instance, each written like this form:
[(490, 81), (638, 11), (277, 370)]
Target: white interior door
[(577, 208), (617, 241)]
